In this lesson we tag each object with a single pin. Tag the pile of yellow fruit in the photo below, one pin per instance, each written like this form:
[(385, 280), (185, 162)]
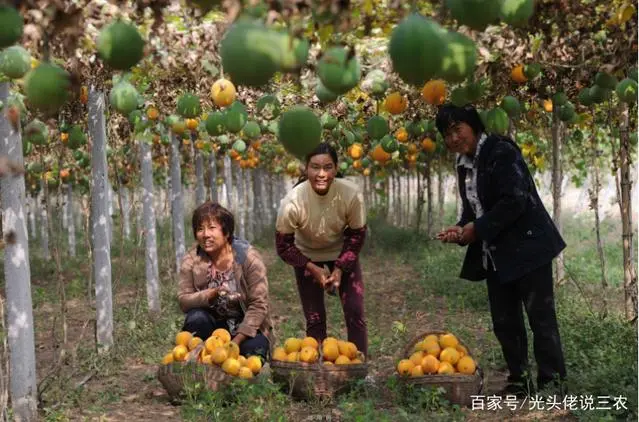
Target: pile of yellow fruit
[(307, 350), (437, 354), (218, 350)]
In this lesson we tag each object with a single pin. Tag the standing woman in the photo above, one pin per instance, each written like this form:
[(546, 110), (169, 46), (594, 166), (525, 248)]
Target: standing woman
[(322, 223), (512, 242)]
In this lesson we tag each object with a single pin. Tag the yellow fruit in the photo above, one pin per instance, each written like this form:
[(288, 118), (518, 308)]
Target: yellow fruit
[(194, 343), (416, 371), (213, 343), (342, 360), (293, 357), (330, 351), (356, 361), (517, 74), (401, 134), (168, 358), (395, 103), (450, 355), (462, 350), (420, 346), (179, 353), (448, 340), (310, 342), (219, 355), (378, 154), (430, 364), (152, 113), (328, 362), (203, 352), (405, 367), (245, 373), (233, 350), (223, 92), (466, 365), (191, 124), (356, 151), (222, 334), (292, 345), (548, 106), (183, 338), (431, 337), (347, 349), (309, 354), (434, 92), (445, 368), (416, 358), (279, 354), (432, 348), (242, 360), (207, 360), (231, 366), (330, 340), (254, 363), (428, 145)]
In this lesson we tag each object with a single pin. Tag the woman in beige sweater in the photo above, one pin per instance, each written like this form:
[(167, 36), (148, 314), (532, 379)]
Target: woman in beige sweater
[(322, 224)]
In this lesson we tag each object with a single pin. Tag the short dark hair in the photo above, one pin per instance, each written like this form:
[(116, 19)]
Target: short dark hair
[(322, 148), (450, 114), (213, 211)]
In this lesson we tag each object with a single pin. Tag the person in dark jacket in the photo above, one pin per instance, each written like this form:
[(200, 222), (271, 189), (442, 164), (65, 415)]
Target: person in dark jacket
[(511, 241)]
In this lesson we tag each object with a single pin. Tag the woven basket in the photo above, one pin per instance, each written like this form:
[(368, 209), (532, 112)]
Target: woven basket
[(175, 376), (459, 387), (316, 380)]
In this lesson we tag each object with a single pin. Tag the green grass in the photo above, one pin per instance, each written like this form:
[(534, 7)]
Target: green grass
[(426, 293)]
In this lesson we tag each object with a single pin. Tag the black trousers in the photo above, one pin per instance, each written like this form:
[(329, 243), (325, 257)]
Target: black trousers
[(202, 323), (535, 292)]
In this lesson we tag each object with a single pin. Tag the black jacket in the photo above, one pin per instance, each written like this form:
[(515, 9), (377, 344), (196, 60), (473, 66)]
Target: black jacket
[(520, 234)]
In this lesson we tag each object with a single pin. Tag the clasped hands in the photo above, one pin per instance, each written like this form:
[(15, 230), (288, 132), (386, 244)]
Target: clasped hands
[(323, 277), (460, 235), (211, 294)]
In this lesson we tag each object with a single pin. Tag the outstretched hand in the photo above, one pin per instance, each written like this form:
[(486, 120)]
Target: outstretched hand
[(450, 234), (460, 235)]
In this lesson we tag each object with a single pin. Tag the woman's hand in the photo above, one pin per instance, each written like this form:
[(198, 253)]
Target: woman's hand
[(239, 338), (334, 280), (468, 234), (451, 234), (318, 273), (211, 294)]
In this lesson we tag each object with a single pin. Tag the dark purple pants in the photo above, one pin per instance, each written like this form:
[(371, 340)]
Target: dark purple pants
[(351, 293)]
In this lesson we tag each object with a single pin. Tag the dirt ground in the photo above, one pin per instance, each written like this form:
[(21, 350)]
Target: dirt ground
[(138, 396)]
